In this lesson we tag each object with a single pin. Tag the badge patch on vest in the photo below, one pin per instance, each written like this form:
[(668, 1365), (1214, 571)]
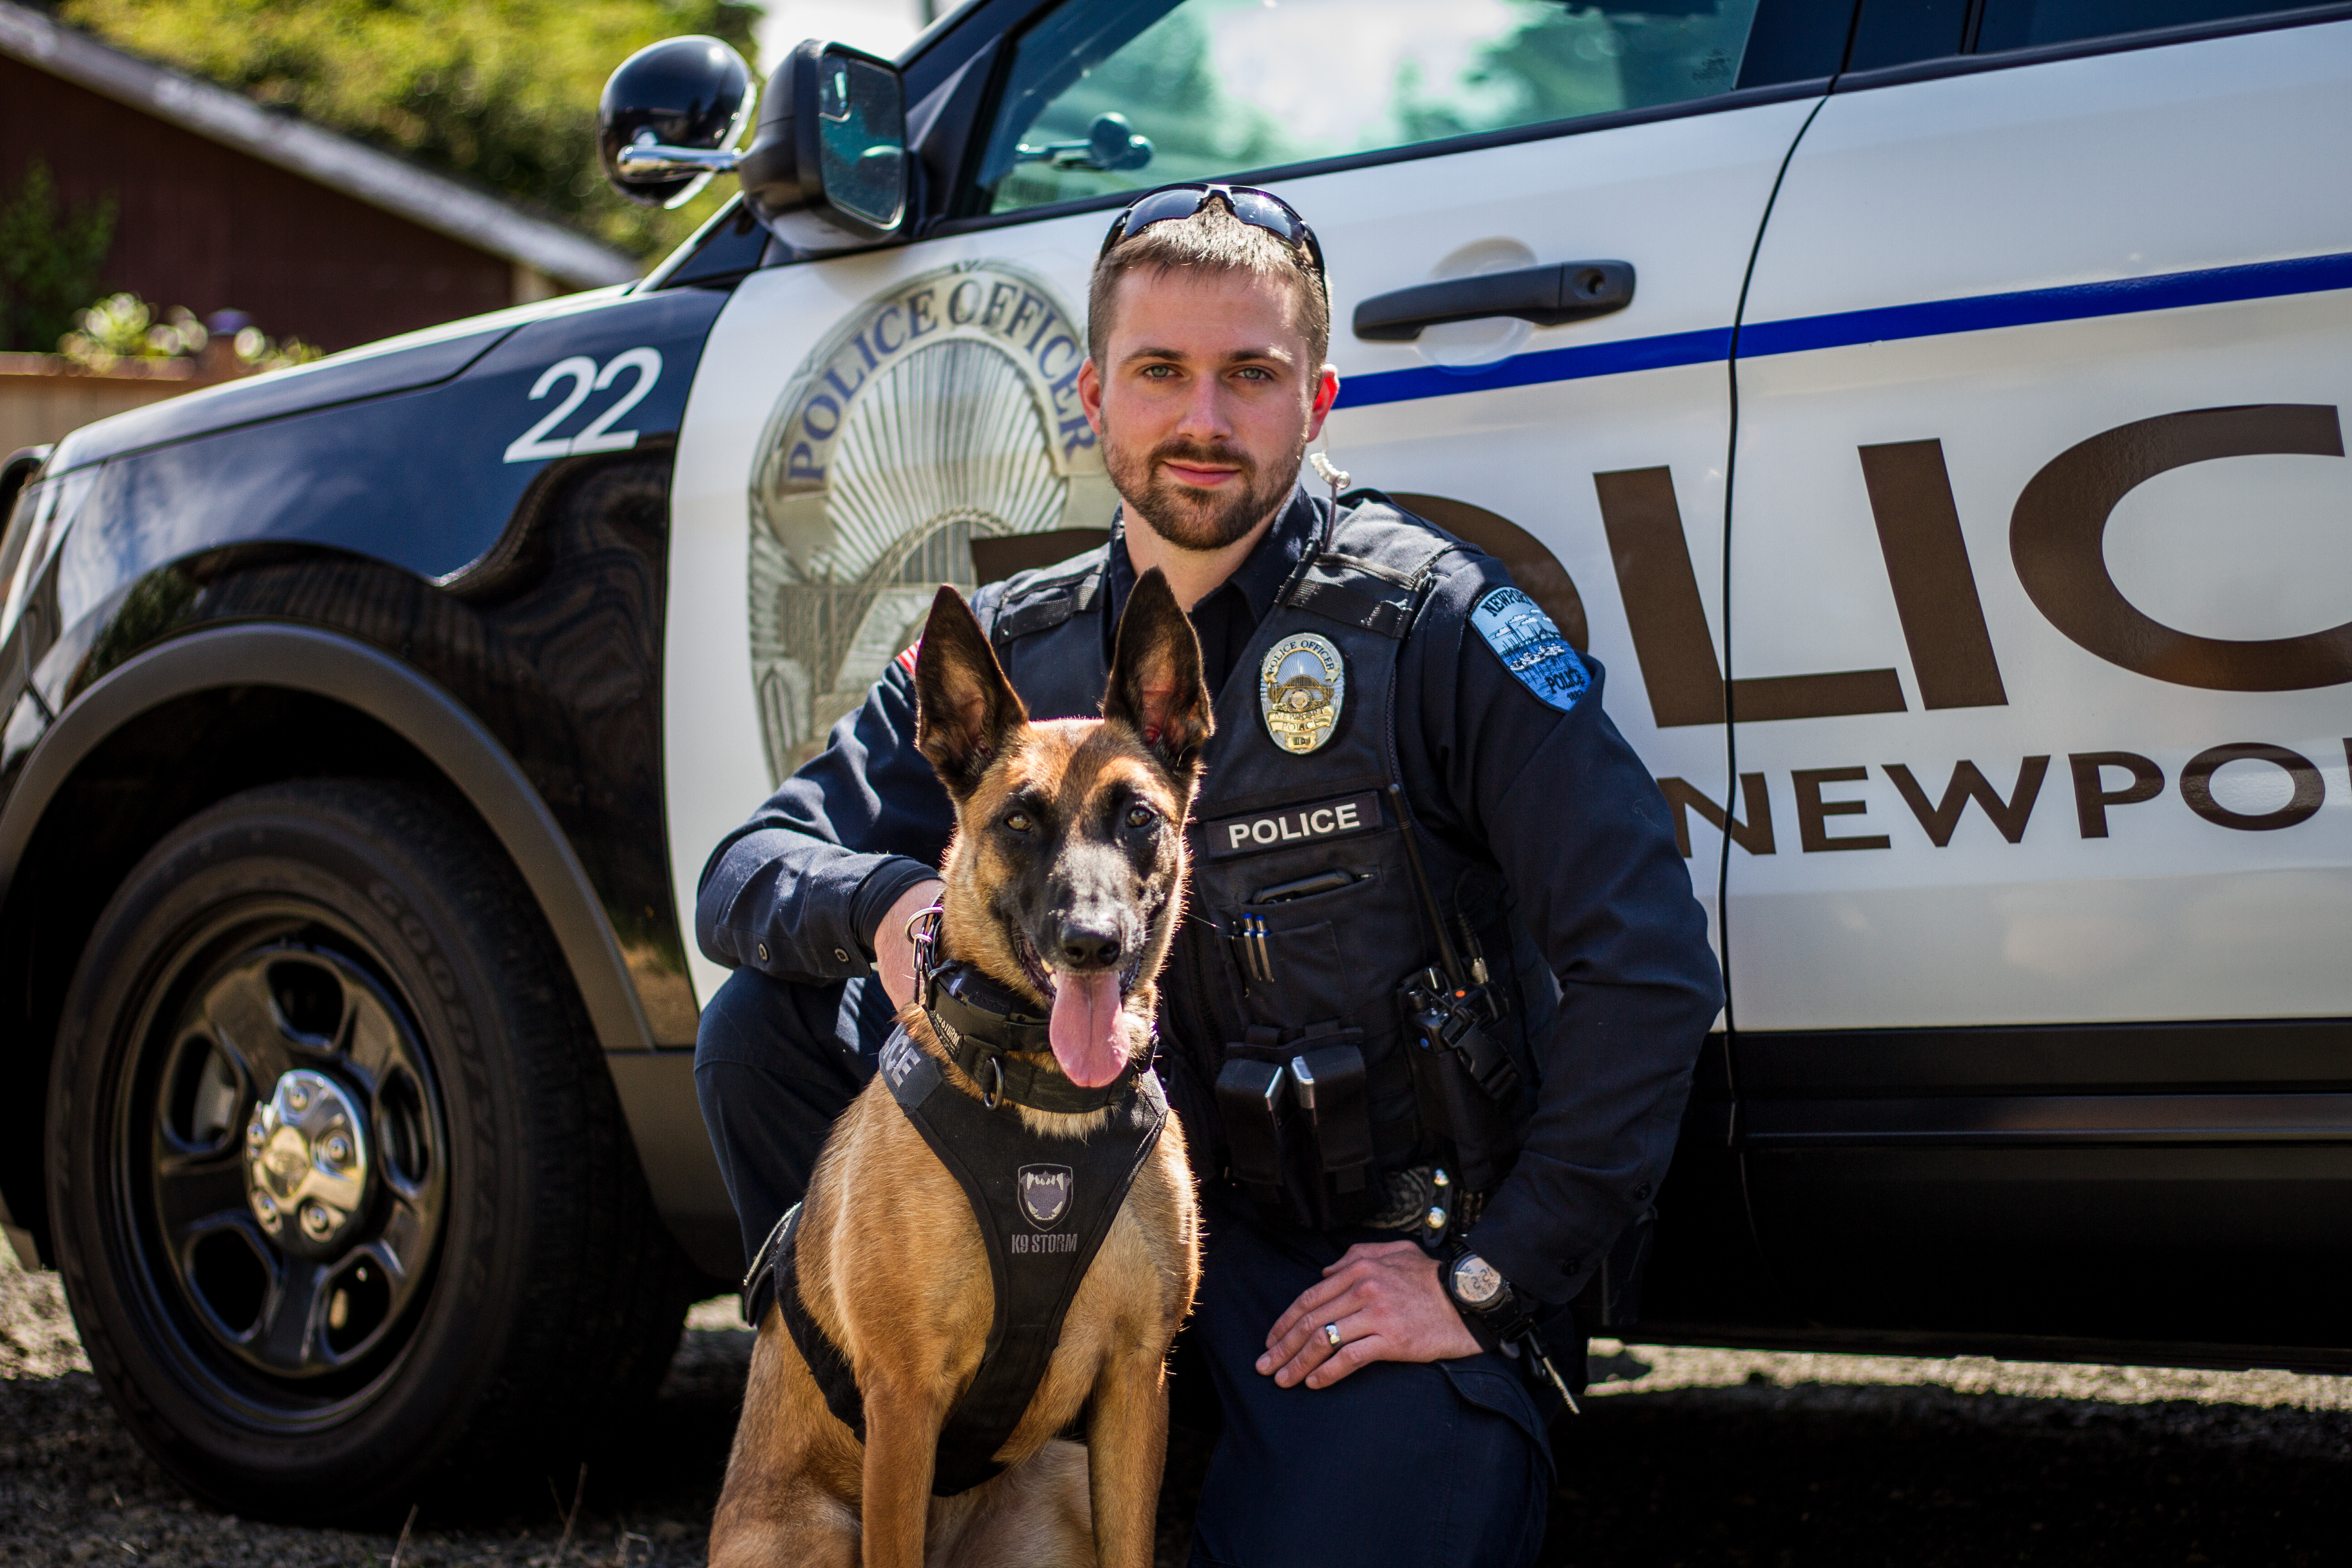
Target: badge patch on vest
[(1045, 1193), (1302, 687), (1530, 646)]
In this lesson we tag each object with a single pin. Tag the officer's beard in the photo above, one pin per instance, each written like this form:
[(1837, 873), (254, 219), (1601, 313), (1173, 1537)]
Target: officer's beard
[(1193, 519)]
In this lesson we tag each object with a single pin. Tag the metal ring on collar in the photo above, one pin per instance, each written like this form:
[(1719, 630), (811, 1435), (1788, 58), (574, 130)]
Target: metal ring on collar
[(994, 1097), (923, 935)]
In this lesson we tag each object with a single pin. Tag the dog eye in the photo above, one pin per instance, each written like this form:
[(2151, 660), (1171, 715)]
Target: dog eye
[(1018, 821), (1141, 817)]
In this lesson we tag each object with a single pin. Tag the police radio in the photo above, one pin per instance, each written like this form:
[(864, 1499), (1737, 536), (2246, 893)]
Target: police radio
[(1464, 1080)]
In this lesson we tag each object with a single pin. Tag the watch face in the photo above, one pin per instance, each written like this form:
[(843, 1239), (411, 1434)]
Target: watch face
[(1475, 1283)]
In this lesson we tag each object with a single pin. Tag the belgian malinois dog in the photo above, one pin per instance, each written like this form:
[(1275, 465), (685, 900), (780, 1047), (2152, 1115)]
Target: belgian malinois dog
[(1063, 884)]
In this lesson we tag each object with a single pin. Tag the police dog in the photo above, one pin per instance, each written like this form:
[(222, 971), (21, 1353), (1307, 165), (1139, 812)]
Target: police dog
[(1067, 861)]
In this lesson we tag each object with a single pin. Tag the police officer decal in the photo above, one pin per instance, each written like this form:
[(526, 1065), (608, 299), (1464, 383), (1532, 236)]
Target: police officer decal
[(1431, 1015)]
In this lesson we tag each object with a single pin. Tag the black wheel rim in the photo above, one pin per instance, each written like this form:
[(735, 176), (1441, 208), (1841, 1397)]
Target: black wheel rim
[(279, 1164)]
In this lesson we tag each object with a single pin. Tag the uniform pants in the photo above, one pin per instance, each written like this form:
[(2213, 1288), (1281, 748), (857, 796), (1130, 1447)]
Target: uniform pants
[(1442, 1464)]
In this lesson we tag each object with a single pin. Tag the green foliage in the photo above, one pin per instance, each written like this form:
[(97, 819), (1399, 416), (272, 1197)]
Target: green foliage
[(257, 349), (501, 92), (1565, 61), (49, 260), (124, 326), (1194, 80)]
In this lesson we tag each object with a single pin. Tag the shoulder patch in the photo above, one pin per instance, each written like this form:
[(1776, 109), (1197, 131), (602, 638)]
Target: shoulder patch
[(1530, 646)]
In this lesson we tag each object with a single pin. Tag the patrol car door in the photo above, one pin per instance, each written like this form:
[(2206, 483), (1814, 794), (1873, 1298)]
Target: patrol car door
[(2040, 455), (864, 427)]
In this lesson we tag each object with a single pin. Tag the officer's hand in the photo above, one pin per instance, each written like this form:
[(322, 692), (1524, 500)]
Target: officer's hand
[(894, 955), (1386, 1301)]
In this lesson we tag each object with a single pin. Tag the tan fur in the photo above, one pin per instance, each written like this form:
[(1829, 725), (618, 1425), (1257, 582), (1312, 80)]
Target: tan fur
[(894, 1269)]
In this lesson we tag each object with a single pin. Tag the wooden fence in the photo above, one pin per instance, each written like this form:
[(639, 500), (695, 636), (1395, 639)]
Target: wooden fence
[(44, 396)]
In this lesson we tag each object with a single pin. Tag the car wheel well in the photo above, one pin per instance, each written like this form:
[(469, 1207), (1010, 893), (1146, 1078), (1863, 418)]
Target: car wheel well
[(149, 776)]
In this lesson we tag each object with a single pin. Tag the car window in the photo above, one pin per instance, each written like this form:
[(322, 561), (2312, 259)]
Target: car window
[(2020, 24), (1899, 32), (1105, 96)]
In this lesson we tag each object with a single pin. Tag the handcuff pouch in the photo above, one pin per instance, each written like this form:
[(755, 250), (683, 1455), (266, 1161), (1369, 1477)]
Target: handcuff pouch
[(1253, 1100), (1298, 1123), (1329, 1081)]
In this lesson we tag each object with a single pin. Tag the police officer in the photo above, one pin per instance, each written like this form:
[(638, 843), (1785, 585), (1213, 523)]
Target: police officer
[(1431, 1017)]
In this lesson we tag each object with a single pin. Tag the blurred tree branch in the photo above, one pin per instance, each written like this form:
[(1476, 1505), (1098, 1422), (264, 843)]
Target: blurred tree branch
[(499, 92)]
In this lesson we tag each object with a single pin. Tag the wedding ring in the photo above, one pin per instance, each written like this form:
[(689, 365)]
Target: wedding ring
[(1331, 1335)]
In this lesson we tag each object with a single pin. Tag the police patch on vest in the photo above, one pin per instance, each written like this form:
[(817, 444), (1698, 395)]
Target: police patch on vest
[(1045, 1193), (1530, 646), (1302, 687), (1292, 825)]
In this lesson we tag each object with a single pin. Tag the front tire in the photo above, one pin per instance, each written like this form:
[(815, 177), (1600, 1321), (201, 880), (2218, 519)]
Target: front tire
[(342, 1199)]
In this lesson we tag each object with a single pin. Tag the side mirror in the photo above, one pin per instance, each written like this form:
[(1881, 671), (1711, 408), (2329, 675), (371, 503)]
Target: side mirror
[(669, 118), (827, 168)]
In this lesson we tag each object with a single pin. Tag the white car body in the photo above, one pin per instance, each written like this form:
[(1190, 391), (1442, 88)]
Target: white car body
[(2001, 393)]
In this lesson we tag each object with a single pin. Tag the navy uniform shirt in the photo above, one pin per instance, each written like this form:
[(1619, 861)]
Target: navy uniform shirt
[(1558, 800)]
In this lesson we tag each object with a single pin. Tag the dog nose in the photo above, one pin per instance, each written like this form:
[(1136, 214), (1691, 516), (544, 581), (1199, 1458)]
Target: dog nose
[(1082, 949)]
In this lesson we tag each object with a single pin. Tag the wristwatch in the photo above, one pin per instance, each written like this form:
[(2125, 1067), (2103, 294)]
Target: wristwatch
[(1495, 1313)]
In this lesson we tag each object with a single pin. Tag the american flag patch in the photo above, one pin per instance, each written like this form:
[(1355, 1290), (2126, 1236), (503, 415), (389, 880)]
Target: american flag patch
[(906, 661)]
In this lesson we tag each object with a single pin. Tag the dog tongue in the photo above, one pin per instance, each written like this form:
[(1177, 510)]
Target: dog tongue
[(1085, 1028)]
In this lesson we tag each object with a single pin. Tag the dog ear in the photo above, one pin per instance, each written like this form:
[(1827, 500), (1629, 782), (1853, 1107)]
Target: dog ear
[(966, 712), (1155, 677)]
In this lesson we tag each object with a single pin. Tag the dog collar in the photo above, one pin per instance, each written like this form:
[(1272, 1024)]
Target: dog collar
[(977, 1023)]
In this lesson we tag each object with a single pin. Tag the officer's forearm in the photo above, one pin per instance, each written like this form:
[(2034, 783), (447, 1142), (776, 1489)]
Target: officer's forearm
[(1618, 1073), (796, 906)]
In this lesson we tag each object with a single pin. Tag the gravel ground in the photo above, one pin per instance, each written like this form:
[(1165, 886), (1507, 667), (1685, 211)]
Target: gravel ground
[(1684, 1457)]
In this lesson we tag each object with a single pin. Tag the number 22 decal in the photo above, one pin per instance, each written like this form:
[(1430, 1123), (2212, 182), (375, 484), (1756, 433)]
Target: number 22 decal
[(600, 435)]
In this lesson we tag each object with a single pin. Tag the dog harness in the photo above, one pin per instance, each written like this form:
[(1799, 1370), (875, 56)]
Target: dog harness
[(1044, 1205)]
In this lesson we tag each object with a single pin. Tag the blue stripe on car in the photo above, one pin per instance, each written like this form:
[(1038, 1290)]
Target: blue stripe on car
[(2029, 307), (1548, 364)]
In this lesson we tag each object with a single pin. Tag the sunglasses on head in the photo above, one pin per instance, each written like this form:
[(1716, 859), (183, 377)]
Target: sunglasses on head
[(1259, 209)]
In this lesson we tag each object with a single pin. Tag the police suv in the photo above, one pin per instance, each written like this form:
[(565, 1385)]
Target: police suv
[(1929, 410)]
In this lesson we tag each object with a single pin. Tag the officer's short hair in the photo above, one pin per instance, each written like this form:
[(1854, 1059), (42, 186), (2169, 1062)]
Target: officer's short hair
[(1212, 240)]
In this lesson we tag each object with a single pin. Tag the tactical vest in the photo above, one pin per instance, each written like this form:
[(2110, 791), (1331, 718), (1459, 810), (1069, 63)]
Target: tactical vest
[(1304, 918)]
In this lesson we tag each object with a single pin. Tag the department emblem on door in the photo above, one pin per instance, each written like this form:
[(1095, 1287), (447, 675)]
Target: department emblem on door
[(940, 411), (1301, 687), (1045, 1193)]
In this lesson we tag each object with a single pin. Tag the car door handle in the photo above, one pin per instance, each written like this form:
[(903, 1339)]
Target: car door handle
[(1547, 296)]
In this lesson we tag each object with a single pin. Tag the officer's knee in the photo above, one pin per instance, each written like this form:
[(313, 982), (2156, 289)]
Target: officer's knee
[(752, 1020)]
